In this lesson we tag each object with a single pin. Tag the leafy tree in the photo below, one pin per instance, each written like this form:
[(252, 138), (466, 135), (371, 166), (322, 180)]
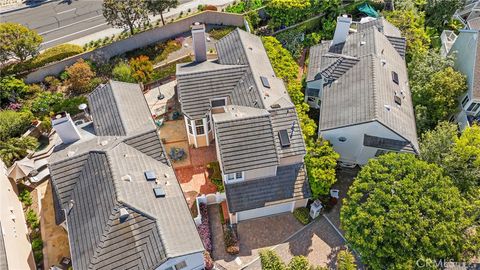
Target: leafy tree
[(282, 61), (400, 208), (47, 103), (321, 161), (299, 263), (345, 261), (271, 261), (32, 219), (14, 124), (439, 12), (127, 14), (285, 13), (18, 42), (79, 75), (412, 25), (142, 68), (438, 99), (16, 148), (25, 197), (160, 6), (12, 88), (457, 155), (123, 73)]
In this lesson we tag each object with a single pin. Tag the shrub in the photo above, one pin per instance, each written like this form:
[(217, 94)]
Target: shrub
[(208, 260), (230, 240), (37, 244), (51, 55), (122, 72), (345, 261), (14, 124), (142, 68), (220, 32), (25, 197), (32, 219), (302, 214), (216, 175), (16, 148), (271, 261), (12, 88), (38, 256), (204, 228), (79, 75), (167, 49), (52, 83)]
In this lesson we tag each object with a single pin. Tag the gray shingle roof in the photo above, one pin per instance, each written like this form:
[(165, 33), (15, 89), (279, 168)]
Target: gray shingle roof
[(116, 117), (290, 184), (92, 174), (286, 118), (366, 91), (393, 34), (245, 139), (3, 252)]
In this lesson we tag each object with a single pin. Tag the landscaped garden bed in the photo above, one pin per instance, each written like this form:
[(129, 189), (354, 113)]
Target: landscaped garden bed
[(302, 215), (215, 175)]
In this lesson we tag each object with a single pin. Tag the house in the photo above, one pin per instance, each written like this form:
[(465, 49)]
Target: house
[(237, 103), (466, 48), (15, 248), (359, 82), (115, 191)]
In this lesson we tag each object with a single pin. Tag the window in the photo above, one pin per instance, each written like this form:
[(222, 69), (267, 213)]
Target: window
[(218, 102), (180, 265), (465, 101), (189, 124), (199, 127), (473, 107), (395, 77), (237, 176), (342, 139), (209, 124), (200, 130)]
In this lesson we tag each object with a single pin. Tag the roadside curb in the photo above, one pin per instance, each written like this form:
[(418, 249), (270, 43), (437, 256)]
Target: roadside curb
[(14, 9)]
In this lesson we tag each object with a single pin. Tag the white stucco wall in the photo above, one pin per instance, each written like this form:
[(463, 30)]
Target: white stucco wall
[(352, 150), (194, 262), (14, 227)]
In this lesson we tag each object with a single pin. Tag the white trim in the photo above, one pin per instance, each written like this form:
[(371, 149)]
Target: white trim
[(235, 180), (205, 130)]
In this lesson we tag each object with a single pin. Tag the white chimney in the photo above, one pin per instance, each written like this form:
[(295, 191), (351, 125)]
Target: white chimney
[(341, 31), (199, 42), (123, 215), (65, 128)]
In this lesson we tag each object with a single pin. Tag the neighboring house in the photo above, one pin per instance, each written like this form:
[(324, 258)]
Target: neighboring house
[(359, 82), (15, 248), (466, 48), (116, 191), (238, 103)]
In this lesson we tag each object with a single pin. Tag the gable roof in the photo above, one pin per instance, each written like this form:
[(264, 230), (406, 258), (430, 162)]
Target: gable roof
[(245, 139), (289, 185), (97, 177), (366, 91), (393, 34)]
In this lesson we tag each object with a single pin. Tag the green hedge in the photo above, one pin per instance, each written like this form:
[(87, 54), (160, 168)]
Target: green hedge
[(216, 176), (51, 55), (302, 214), (14, 124)]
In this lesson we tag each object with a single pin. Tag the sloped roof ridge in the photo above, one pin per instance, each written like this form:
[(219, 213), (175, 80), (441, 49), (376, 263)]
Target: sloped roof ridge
[(108, 85), (240, 35), (221, 67), (374, 74)]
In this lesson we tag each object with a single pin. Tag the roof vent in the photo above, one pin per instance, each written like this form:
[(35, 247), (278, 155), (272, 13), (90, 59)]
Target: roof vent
[(250, 88), (104, 142), (123, 215), (284, 139), (265, 82), (127, 178), (275, 106), (384, 62), (387, 107), (395, 77), (166, 175), (70, 153), (150, 175), (255, 103), (159, 192), (362, 43)]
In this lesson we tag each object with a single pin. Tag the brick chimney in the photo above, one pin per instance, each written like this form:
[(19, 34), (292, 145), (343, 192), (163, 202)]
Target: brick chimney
[(199, 42)]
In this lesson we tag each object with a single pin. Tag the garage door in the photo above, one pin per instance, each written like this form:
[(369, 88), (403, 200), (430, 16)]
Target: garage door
[(265, 211)]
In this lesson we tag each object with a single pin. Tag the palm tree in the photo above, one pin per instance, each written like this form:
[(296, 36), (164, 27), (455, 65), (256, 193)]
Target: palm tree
[(16, 149)]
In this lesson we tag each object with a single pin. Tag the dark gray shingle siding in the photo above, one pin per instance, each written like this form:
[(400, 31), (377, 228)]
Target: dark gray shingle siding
[(290, 184)]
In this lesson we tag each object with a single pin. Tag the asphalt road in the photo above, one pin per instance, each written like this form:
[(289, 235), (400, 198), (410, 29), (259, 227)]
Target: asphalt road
[(62, 21)]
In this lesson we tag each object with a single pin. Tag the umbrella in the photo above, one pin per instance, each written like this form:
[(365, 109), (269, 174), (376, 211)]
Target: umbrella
[(21, 168)]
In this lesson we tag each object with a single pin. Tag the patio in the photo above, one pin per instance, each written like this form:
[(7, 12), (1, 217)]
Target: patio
[(319, 241)]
